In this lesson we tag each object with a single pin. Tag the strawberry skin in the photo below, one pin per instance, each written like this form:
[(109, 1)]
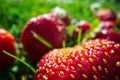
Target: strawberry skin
[(49, 28), (97, 59), (7, 43), (109, 34), (106, 15), (108, 24), (107, 18)]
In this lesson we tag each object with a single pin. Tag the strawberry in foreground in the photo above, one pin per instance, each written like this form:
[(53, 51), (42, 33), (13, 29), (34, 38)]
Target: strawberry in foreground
[(7, 43), (47, 26), (97, 59)]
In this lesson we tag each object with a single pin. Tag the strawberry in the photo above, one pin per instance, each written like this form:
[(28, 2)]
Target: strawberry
[(109, 34), (49, 28), (106, 15), (7, 43), (83, 26), (107, 18), (61, 14), (108, 24), (97, 59)]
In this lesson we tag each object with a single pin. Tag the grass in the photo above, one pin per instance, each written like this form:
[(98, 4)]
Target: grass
[(14, 14), (20, 60)]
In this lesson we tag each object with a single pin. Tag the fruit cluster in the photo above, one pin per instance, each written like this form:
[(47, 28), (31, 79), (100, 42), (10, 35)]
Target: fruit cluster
[(42, 37), (96, 59)]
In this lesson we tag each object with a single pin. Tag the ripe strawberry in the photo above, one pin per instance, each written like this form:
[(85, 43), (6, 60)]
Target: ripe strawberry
[(106, 15), (97, 59), (84, 26), (109, 34), (49, 28), (107, 18), (7, 43), (61, 14)]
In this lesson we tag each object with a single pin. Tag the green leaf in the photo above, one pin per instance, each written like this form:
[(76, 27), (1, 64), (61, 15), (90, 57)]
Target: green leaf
[(39, 38), (22, 61)]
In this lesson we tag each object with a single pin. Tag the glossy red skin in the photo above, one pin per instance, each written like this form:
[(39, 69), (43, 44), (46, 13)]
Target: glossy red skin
[(49, 28), (90, 55), (109, 34), (84, 26), (7, 43)]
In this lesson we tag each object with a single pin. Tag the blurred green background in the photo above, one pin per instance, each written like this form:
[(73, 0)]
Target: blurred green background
[(14, 14)]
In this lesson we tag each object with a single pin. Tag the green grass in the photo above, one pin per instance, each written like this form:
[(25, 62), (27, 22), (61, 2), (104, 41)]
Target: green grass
[(20, 60), (14, 14)]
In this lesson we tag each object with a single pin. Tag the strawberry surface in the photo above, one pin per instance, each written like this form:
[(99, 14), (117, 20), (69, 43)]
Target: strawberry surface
[(108, 24), (47, 26), (97, 59), (107, 18), (106, 15), (109, 34), (7, 43)]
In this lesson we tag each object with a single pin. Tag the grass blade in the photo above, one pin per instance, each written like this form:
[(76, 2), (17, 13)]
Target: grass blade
[(12, 76), (35, 35), (79, 36), (20, 60), (63, 44)]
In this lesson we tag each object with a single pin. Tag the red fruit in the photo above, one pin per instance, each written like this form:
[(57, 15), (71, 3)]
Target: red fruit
[(108, 24), (7, 43), (109, 34), (106, 15), (97, 59), (61, 14), (49, 28), (83, 26)]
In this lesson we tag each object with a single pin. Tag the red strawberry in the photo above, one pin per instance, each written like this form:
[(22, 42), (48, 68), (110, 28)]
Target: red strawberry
[(49, 28), (108, 24), (106, 15), (7, 43), (98, 59), (109, 34), (107, 18), (84, 26), (61, 14)]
